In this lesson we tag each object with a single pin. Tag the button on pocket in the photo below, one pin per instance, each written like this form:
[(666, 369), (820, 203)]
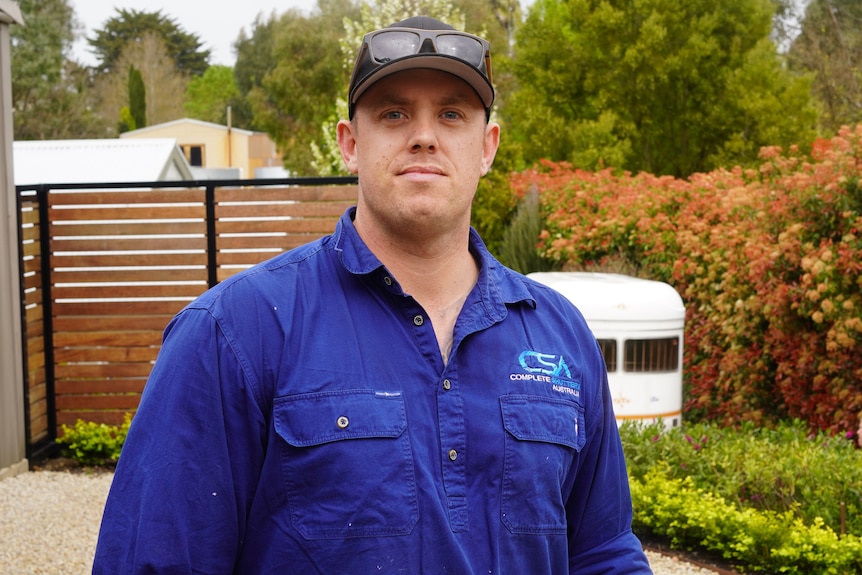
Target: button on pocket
[(347, 462), (543, 437)]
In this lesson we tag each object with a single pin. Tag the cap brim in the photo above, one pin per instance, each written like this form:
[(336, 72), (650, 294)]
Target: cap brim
[(440, 62)]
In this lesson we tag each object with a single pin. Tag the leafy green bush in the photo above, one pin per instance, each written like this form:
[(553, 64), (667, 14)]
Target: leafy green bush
[(753, 541), (94, 443), (784, 470)]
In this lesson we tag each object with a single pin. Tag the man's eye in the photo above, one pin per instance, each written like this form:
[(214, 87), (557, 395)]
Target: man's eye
[(394, 115), (451, 115)]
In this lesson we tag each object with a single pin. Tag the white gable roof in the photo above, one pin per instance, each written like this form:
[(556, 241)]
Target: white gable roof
[(98, 161)]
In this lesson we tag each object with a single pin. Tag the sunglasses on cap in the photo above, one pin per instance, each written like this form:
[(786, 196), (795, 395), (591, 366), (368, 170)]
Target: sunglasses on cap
[(388, 47)]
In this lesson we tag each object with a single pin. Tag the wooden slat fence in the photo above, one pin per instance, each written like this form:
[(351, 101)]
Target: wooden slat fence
[(120, 262)]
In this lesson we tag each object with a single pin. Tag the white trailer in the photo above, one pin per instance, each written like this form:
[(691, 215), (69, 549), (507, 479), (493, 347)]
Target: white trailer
[(639, 326)]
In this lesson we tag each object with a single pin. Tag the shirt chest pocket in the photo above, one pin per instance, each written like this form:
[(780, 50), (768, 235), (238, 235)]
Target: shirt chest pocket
[(347, 463), (543, 437)]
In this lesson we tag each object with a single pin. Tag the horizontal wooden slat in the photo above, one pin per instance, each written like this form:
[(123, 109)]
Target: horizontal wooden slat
[(129, 401), (125, 340), (136, 244), (122, 260), (68, 387), (295, 193), (129, 292), (297, 210), (130, 228), (152, 322), (120, 308), (243, 259), (115, 370), (33, 281), (29, 216), (224, 273), (103, 197), (321, 226), (167, 212), (31, 250), (131, 275)]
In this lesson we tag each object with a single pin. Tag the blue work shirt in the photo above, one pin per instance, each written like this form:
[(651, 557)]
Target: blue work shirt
[(300, 420)]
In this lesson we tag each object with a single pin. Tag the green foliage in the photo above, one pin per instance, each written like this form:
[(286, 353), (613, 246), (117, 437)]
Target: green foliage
[(184, 48), (519, 248), (137, 98), (785, 469), (51, 95), (94, 443), (127, 121), (767, 261), (829, 47), (667, 87), (290, 72), (754, 541), (208, 96)]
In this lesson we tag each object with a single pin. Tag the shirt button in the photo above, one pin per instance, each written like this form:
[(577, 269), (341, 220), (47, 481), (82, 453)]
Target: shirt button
[(342, 422), (418, 320), (447, 385), (453, 455), (387, 280)]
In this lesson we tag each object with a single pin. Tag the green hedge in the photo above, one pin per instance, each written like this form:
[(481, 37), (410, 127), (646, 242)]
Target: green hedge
[(754, 541)]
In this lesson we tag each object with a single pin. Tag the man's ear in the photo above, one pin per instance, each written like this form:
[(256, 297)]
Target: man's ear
[(492, 142), (346, 133)]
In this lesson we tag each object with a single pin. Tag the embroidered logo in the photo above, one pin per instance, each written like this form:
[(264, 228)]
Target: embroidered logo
[(547, 368)]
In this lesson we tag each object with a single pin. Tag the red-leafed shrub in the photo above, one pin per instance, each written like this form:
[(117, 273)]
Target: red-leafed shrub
[(768, 262)]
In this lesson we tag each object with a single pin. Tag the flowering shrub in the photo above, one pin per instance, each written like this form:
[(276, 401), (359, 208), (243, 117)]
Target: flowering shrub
[(768, 262)]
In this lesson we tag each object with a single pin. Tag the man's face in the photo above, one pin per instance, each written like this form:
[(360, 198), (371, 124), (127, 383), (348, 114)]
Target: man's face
[(419, 143)]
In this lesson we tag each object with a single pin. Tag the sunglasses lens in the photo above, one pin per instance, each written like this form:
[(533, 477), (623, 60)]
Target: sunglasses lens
[(393, 45), (462, 47)]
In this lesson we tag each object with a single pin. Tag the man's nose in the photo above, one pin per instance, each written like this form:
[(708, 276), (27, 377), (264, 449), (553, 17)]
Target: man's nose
[(424, 134)]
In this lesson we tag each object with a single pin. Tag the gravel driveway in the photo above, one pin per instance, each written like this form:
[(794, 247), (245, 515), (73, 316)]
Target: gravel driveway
[(49, 521)]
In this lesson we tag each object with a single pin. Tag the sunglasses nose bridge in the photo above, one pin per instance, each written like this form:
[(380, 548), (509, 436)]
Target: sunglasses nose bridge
[(427, 47)]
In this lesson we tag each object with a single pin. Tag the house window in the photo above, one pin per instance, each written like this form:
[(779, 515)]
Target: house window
[(609, 350), (651, 354), (194, 154)]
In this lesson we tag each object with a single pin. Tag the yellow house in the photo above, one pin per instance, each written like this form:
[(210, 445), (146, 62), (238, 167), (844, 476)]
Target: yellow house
[(223, 150)]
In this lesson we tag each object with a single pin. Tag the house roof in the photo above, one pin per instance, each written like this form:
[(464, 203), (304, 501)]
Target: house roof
[(10, 12), (185, 121), (104, 160)]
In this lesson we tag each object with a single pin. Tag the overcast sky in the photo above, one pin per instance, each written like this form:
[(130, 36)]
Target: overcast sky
[(216, 23)]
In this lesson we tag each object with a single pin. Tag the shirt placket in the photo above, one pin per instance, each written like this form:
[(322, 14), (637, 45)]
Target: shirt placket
[(453, 442)]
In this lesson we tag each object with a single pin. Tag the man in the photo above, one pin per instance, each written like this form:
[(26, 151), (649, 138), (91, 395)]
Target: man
[(389, 399)]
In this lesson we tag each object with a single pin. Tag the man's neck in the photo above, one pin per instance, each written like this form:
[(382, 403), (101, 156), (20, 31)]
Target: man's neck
[(438, 273)]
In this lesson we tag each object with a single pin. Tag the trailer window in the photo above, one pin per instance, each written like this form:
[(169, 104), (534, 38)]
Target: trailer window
[(609, 350), (652, 354)]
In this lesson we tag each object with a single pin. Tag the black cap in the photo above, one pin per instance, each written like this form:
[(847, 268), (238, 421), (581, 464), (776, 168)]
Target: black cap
[(367, 71)]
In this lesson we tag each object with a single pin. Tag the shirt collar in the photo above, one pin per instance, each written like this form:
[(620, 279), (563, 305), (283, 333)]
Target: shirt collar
[(497, 284)]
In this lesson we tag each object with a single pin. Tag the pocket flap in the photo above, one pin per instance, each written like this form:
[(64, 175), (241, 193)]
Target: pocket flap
[(537, 418), (317, 418)]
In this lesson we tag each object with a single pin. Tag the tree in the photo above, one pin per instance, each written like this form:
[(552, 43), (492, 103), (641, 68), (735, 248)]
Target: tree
[(50, 93), (163, 85), (137, 98), (830, 47), (208, 97), (290, 71), (184, 49), (666, 86)]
